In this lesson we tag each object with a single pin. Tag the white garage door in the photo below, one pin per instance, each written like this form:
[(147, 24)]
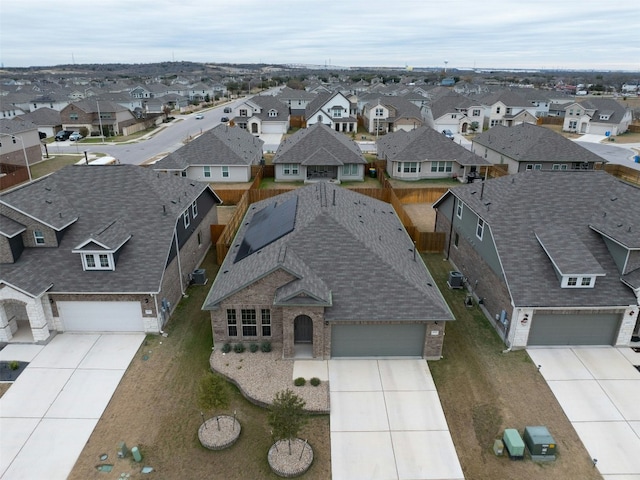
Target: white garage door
[(271, 128), (101, 316)]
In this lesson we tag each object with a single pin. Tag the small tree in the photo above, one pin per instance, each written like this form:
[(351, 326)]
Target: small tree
[(213, 392), (286, 416), (474, 126)]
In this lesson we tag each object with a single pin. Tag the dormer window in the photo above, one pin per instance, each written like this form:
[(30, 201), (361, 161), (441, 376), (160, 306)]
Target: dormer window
[(273, 113), (38, 237), (98, 261)]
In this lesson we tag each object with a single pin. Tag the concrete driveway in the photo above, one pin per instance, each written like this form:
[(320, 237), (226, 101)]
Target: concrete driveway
[(387, 422), (599, 391), (48, 414)]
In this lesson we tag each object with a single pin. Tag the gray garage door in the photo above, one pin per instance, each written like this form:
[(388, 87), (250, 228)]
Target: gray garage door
[(575, 329), (377, 340)]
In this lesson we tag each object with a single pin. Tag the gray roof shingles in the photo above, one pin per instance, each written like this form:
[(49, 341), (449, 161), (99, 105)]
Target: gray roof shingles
[(355, 245)]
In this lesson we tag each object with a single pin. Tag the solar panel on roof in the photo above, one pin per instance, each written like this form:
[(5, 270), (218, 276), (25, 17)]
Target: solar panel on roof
[(267, 226)]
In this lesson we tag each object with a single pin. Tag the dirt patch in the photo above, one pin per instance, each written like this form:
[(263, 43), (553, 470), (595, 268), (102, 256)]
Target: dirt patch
[(3, 388), (225, 212), (422, 214)]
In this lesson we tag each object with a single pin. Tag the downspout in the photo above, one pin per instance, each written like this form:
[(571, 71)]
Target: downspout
[(175, 236), (453, 212)]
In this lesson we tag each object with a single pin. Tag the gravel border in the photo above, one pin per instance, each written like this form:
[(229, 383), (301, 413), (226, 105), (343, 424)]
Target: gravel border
[(219, 439), (286, 465), (260, 375)]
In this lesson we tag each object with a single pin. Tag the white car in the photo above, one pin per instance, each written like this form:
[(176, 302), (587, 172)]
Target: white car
[(75, 136), (448, 134), (200, 116)]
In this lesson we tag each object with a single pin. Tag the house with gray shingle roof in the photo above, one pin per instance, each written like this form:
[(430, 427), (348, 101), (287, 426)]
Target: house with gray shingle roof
[(334, 110), (597, 116), (425, 153), (99, 249), (319, 153), (47, 120), (222, 154), (553, 257), (391, 114), (531, 147), (455, 113), (331, 269), (99, 117), (262, 114)]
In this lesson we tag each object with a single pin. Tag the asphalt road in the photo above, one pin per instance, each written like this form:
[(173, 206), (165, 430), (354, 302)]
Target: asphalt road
[(167, 139), (618, 154)]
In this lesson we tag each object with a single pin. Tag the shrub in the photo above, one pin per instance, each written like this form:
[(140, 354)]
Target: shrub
[(213, 392), (315, 381), (226, 348), (299, 382), (265, 347), (14, 365), (254, 347), (239, 348)]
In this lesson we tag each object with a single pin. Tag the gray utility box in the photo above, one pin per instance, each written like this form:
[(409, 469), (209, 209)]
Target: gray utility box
[(455, 280), (513, 443), (199, 276), (540, 443)]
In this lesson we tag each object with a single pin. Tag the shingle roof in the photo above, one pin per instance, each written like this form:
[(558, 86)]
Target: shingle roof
[(222, 145), (318, 145), (353, 244), (529, 143), (424, 144), (145, 204), (515, 207), (605, 106)]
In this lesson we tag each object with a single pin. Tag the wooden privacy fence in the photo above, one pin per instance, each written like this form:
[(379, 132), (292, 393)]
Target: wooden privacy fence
[(622, 172), (424, 241)]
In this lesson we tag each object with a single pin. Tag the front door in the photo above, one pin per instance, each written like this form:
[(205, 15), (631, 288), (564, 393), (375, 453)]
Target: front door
[(302, 329)]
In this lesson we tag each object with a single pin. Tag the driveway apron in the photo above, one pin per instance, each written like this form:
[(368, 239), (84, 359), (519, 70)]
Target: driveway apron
[(599, 390), (387, 422), (48, 414)]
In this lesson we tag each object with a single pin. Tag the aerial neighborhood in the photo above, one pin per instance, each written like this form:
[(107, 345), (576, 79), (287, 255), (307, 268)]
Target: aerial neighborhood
[(323, 198)]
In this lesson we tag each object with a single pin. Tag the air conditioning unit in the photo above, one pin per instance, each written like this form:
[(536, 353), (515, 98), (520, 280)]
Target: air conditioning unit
[(199, 276), (456, 280)]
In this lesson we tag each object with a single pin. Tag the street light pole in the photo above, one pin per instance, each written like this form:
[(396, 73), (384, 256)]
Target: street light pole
[(24, 151), (100, 121)]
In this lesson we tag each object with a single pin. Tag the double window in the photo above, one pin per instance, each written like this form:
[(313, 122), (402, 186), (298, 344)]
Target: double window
[(441, 166), (97, 261), (411, 167), (350, 169), (290, 169)]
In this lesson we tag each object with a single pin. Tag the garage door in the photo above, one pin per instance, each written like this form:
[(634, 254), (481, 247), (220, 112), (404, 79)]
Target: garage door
[(101, 316), (377, 340), (575, 329)]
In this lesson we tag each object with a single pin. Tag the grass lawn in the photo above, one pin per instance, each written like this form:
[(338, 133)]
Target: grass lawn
[(54, 163), (155, 407), (483, 391)]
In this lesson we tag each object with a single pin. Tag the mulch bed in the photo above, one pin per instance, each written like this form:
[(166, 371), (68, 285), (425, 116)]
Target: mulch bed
[(10, 370)]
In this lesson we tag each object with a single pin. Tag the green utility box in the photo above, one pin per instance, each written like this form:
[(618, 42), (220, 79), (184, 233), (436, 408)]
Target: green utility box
[(513, 443), (540, 443)]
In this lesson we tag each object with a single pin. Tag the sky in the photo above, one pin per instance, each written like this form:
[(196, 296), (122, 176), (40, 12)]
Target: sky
[(518, 34)]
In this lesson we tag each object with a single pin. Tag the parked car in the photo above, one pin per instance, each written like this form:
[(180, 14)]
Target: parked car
[(227, 109), (448, 134), (200, 116), (75, 136), (63, 135), (224, 119)]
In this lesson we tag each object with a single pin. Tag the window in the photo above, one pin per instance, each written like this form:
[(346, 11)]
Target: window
[(441, 166), (73, 116), (497, 109), (194, 209), (459, 208), (232, 323), (537, 166), (319, 118), (573, 124), (494, 122), (454, 116), (199, 238), (572, 281), (243, 112), (290, 169), (411, 167), (556, 166), (350, 169), (563, 166), (185, 218), (183, 173), (225, 172), (337, 113), (508, 111), (206, 172), (586, 282), (529, 166), (456, 239), (38, 237), (273, 113), (101, 261), (266, 322), (249, 328), (379, 112), (480, 228), (570, 112), (476, 112)]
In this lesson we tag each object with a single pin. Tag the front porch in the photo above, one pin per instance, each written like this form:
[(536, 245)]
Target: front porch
[(23, 319)]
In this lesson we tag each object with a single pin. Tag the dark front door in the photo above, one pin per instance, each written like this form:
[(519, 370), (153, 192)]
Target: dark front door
[(302, 329)]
